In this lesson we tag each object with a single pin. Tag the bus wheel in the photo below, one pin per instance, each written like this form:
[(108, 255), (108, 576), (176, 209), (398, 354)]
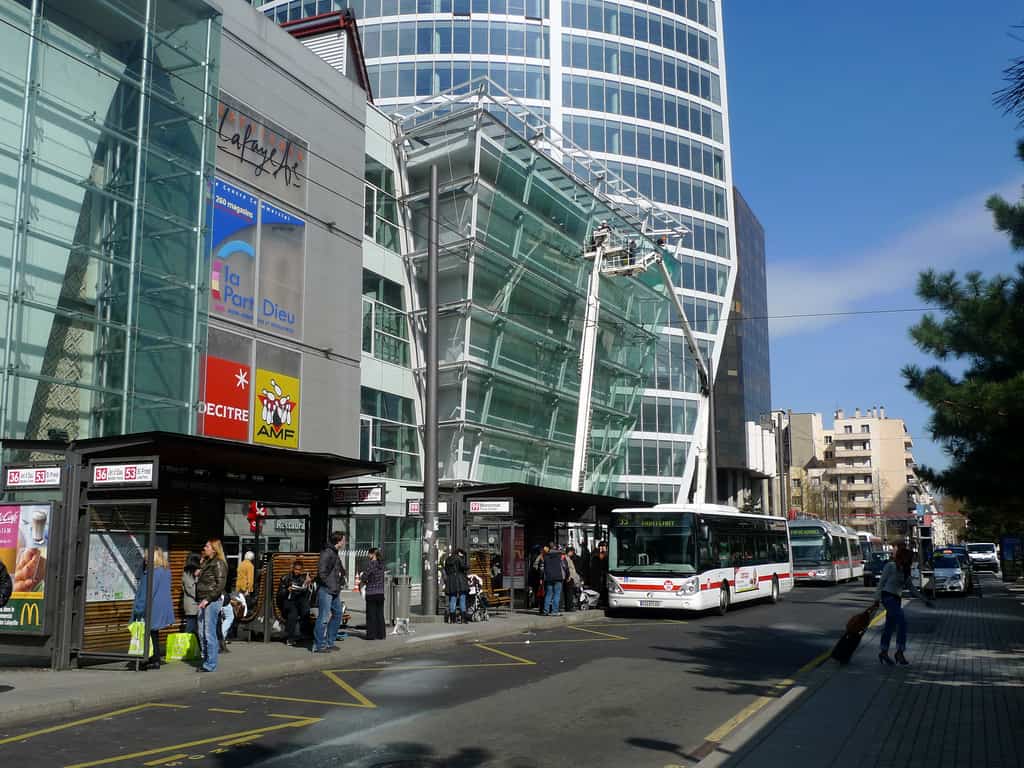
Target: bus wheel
[(775, 590), (723, 601)]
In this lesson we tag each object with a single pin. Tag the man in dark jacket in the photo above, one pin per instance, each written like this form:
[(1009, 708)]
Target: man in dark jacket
[(293, 600), (554, 574), (331, 577), (456, 584), (6, 585)]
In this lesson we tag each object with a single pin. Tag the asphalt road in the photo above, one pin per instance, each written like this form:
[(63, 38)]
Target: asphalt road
[(638, 691)]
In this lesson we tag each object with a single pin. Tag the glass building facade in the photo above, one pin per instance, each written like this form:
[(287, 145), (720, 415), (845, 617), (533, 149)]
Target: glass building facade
[(743, 390), (104, 168), (638, 85), (512, 299)]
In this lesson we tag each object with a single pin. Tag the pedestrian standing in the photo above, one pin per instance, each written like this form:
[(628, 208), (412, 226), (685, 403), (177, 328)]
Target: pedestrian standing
[(189, 601), (373, 578), (331, 577), (572, 580), (210, 585), (162, 613), (456, 578), (598, 577), (894, 579), (246, 577), (555, 571), (6, 585)]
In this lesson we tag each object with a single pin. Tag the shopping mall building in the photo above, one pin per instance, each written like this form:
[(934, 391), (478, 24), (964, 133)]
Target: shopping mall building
[(213, 286)]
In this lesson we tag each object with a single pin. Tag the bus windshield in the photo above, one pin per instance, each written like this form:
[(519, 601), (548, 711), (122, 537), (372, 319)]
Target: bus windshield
[(810, 549), (652, 543)]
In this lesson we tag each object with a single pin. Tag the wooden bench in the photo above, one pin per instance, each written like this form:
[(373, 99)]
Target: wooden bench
[(499, 600)]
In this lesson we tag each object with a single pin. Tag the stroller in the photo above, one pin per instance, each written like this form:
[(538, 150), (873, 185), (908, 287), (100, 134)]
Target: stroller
[(588, 598), (476, 605)]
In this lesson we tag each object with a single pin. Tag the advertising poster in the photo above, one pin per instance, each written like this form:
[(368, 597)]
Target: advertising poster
[(24, 537), (226, 399), (275, 409), (282, 264), (233, 263), (115, 565)]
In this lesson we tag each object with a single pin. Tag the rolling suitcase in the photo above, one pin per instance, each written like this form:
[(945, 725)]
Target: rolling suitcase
[(855, 629)]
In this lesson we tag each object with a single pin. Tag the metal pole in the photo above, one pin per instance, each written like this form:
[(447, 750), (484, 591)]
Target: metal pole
[(712, 441), (20, 225), (136, 228), (429, 585)]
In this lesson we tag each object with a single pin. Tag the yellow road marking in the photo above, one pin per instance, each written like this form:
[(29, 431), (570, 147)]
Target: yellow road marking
[(85, 721), (239, 740), (162, 760), (350, 690), (507, 655), (550, 642), (813, 663), (214, 740), (604, 635), (227, 711), (269, 697), (748, 711)]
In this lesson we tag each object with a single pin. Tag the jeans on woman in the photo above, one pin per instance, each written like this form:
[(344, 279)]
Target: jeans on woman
[(209, 621), (461, 598), (229, 619), (894, 619), (375, 625)]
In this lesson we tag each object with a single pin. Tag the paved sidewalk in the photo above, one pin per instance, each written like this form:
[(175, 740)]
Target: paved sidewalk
[(960, 703), (38, 694)]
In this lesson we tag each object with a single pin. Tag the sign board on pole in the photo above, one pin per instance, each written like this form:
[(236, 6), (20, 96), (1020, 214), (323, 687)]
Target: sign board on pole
[(414, 508), (498, 507), (133, 473), (32, 477), (365, 495)]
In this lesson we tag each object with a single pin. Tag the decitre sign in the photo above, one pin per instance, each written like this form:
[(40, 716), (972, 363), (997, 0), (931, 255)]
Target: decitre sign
[(224, 407)]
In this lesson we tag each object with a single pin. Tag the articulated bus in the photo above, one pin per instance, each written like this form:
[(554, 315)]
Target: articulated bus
[(824, 551), (695, 557), (869, 543)]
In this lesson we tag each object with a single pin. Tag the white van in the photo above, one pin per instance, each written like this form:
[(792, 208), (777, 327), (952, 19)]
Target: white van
[(984, 556)]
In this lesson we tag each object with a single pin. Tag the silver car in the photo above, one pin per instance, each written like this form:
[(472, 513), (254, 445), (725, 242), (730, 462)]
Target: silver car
[(948, 575)]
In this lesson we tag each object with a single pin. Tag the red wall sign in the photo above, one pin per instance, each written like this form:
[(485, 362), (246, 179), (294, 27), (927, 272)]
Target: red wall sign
[(227, 395)]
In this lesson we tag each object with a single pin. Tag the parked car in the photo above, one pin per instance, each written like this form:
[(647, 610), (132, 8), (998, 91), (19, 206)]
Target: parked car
[(984, 557), (950, 574), (873, 567)]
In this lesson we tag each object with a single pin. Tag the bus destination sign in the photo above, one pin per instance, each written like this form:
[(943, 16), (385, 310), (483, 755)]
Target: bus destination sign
[(794, 532), (648, 522)]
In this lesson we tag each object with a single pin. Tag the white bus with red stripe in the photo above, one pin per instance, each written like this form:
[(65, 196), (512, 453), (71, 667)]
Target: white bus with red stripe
[(825, 552), (695, 557)]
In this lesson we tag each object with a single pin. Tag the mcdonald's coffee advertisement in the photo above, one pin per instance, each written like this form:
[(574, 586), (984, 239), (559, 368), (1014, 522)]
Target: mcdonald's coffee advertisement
[(24, 536)]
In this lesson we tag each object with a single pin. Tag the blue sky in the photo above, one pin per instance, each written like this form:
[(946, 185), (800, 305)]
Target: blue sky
[(865, 139)]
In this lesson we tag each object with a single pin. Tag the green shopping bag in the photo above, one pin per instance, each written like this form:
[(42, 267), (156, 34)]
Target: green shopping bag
[(182, 646), (137, 647)]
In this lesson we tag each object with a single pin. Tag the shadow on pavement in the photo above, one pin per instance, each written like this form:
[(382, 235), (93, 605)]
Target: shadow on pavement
[(396, 755), (662, 746)]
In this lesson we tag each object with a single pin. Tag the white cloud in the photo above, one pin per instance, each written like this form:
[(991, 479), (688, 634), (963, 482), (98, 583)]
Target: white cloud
[(956, 237)]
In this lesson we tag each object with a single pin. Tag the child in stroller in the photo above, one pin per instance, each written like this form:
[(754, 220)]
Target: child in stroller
[(476, 605)]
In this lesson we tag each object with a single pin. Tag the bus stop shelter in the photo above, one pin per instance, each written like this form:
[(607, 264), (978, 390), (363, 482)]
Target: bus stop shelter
[(89, 511)]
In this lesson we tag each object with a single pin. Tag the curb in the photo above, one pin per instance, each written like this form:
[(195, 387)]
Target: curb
[(90, 700)]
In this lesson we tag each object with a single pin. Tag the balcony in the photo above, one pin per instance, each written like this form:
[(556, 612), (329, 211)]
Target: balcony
[(846, 437), (855, 469), (851, 451)]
